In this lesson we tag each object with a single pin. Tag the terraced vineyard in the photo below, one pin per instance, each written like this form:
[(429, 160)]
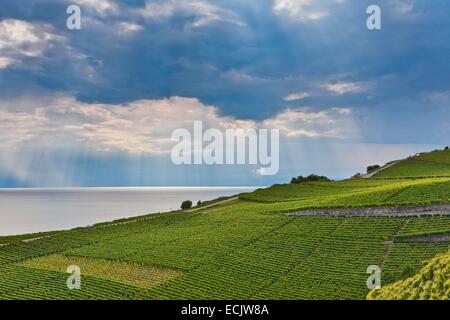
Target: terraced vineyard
[(353, 193), (245, 249), (239, 250)]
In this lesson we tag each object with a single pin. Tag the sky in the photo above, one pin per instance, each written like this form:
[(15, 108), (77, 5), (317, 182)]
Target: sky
[(97, 106)]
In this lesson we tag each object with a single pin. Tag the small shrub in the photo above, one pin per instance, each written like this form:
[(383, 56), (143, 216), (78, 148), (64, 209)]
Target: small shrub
[(186, 204), (372, 168)]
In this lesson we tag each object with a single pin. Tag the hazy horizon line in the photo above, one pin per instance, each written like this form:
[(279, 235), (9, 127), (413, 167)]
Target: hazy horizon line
[(130, 187)]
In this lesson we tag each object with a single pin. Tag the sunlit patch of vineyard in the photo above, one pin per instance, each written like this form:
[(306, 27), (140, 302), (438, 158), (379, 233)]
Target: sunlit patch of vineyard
[(143, 276)]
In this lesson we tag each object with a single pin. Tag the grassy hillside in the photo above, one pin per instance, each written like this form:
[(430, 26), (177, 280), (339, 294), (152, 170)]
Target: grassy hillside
[(432, 164), (432, 282), (245, 249)]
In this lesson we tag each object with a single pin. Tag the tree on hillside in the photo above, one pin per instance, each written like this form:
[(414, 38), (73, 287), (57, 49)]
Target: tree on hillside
[(372, 168), (186, 204), (357, 176)]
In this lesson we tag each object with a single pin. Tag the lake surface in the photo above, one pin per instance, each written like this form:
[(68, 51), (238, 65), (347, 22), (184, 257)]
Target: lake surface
[(34, 210)]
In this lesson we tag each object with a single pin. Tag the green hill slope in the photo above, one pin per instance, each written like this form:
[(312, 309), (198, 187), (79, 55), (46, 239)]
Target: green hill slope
[(354, 193), (244, 249), (432, 164), (431, 283), (240, 250)]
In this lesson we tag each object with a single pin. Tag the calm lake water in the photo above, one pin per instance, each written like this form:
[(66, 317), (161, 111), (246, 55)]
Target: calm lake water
[(33, 210)]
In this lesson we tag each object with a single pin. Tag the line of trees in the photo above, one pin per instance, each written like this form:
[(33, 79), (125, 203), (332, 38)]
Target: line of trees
[(311, 177), (188, 204)]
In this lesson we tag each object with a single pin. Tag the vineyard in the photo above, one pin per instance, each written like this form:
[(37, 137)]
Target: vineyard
[(353, 193), (241, 250), (249, 248)]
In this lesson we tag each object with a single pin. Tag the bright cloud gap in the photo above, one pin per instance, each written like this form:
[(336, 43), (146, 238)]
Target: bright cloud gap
[(145, 126)]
